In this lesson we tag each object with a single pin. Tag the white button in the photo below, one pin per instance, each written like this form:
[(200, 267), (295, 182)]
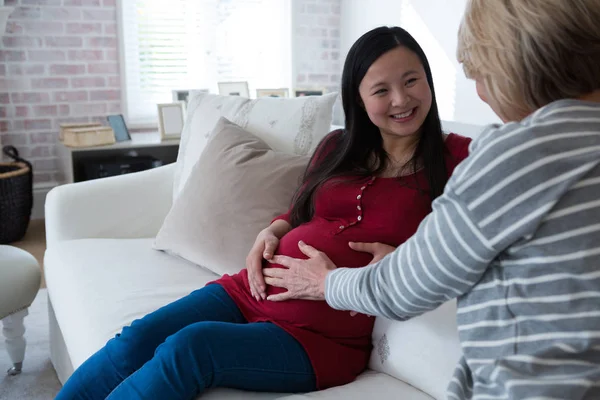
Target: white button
[(358, 208), (363, 188), (359, 218), (341, 226), (358, 197)]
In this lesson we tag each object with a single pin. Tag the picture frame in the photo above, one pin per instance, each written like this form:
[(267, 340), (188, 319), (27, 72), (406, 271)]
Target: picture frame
[(119, 127), (283, 92), (300, 92), (234, 89), (183, 95), (171, 117)]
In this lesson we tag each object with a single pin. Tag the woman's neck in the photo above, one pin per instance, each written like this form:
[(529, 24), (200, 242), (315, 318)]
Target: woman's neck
[(400, 149)]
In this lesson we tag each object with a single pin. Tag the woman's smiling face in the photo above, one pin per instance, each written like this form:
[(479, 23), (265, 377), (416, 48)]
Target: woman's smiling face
[(395, 93)]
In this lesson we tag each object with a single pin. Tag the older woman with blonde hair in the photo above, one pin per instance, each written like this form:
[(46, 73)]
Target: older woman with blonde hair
[(516, 234)]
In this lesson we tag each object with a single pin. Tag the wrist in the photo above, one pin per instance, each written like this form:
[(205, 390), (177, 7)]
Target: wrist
[(323, 284), (277, 229), (322, 289), (268, 233)]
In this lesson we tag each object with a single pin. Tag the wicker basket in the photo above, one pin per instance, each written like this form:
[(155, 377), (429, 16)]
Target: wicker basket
[(16, 196)]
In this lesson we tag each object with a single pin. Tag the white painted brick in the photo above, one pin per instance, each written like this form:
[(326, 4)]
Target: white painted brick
[(100, 15), (46, 55), (64, 41), (26, 13), (14, 139), (61, 14), (21, 42), (26, 69), (84, 3), (86, 55), (83, 28)]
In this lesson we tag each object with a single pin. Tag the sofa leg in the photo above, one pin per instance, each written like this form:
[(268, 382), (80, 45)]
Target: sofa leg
[(14, 331)]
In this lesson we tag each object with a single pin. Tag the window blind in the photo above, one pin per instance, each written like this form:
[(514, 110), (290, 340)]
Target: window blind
[(194, 44)]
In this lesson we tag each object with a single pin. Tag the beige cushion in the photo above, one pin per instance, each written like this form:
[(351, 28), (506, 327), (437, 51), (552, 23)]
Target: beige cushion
[(237, 186)]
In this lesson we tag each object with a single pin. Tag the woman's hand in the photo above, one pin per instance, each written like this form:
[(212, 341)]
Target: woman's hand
[(378, 250), (264, 248), (303, 279)]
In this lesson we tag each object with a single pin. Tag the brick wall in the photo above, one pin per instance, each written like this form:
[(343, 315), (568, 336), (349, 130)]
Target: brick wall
[(58, 63), (316, 46)]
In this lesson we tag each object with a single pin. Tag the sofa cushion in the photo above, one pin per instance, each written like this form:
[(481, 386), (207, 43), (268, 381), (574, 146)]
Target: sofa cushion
[(369, 385), (115, 281), (247, 186), (422, 351), (290, 125)]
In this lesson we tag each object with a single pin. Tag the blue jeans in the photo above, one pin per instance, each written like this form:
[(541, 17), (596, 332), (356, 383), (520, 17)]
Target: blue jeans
[(198, 342)]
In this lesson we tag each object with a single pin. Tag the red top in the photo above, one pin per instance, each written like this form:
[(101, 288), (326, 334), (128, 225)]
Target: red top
[(386, 210)]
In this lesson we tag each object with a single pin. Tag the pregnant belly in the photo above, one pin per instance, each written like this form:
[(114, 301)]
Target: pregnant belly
[(321, 237), (318, 316)]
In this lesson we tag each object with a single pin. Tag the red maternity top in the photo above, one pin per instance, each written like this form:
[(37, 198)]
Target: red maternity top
[(386, 210)]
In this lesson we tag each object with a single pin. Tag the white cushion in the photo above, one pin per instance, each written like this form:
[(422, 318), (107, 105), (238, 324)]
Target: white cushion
[(422, 351), (114, 282), (369, 385), (290, 125)]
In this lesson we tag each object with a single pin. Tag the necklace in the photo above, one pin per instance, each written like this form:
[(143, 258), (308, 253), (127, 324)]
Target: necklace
[(405, 169)]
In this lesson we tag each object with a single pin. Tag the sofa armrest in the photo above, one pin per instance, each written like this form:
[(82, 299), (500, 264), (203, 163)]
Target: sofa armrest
[(125, 206)]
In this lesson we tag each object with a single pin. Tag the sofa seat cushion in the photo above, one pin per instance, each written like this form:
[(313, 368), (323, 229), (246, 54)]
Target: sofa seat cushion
[(369, 385), (97, 286)]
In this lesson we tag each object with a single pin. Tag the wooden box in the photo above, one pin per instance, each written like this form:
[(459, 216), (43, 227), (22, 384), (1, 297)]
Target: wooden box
[(76, 125), (87, 137)]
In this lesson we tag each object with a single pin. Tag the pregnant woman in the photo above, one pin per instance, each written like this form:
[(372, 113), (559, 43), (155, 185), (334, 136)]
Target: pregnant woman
[(365, 192)]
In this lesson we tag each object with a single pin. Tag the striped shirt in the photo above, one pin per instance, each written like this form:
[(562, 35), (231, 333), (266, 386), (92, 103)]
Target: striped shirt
[(516, 238)]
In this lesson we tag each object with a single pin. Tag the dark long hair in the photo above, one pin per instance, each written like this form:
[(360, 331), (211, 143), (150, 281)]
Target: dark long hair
[(355, 148)]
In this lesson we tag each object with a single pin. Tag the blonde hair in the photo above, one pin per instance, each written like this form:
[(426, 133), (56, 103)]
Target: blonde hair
[(528, 53)]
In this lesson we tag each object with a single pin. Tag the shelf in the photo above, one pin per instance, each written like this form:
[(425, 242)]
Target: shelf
[(138, 140), (71, 159)]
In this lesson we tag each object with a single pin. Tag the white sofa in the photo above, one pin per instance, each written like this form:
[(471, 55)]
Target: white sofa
[(102, 273)]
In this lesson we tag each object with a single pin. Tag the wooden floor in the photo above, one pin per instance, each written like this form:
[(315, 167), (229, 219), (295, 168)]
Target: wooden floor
[(35, 242)]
